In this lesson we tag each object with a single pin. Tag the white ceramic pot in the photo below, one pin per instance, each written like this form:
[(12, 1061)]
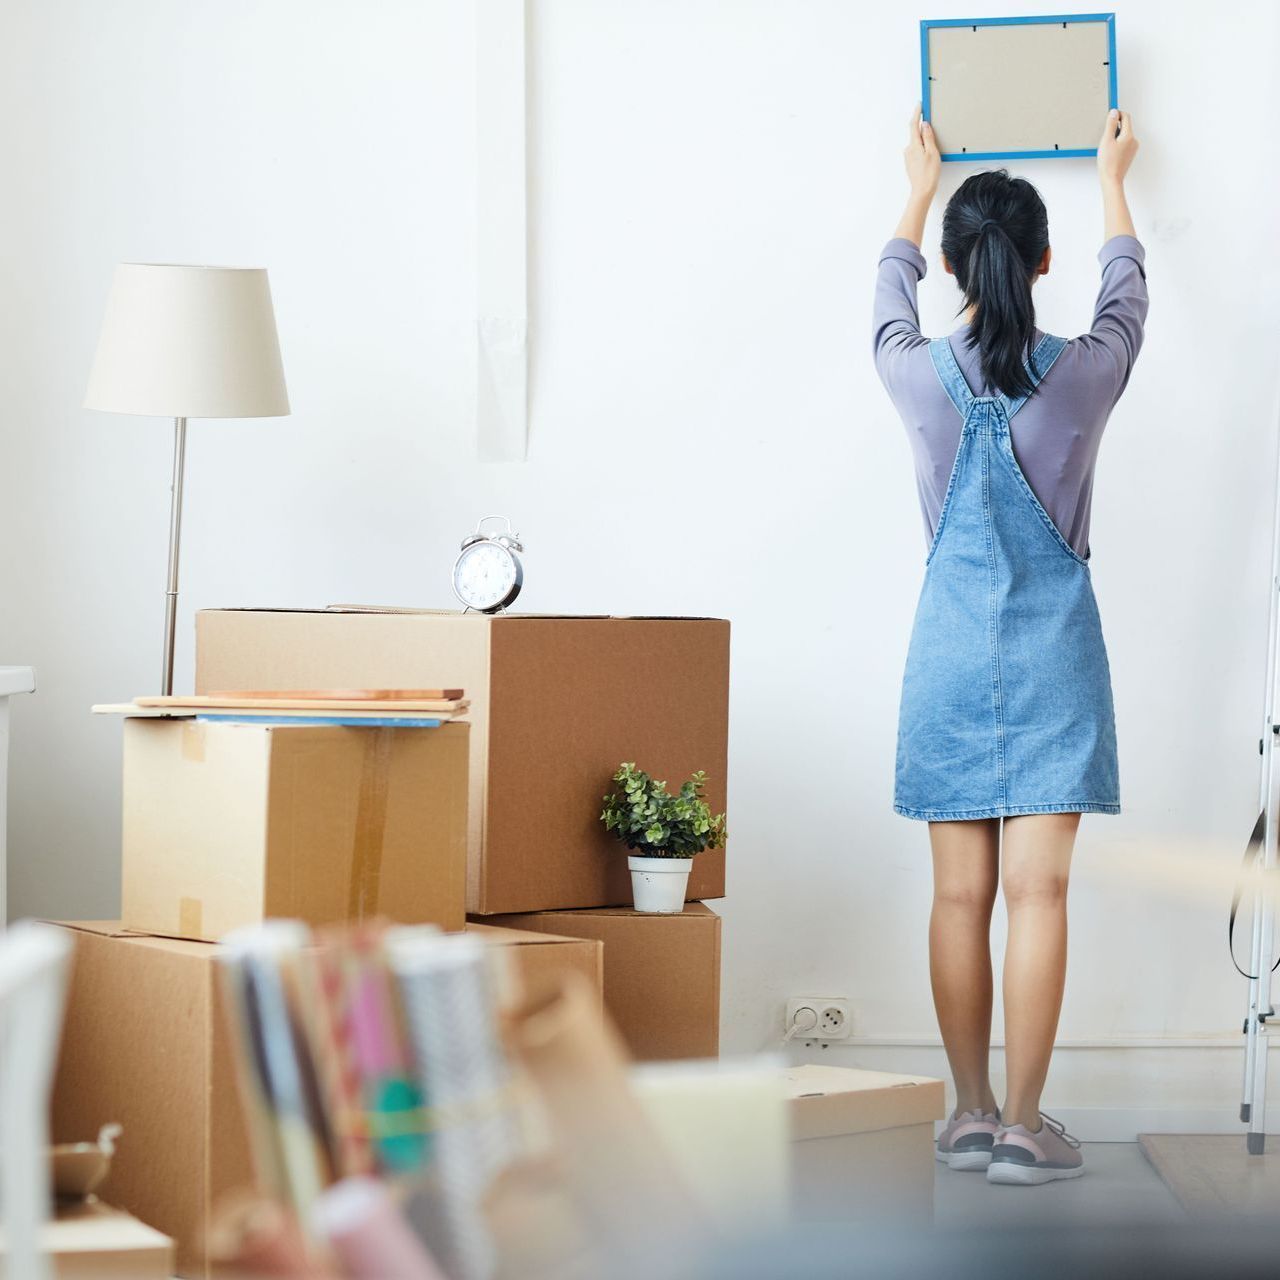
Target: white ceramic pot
[(658, 885)]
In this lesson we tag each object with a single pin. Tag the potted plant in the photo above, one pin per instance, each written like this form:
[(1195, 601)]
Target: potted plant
[(664, 832)]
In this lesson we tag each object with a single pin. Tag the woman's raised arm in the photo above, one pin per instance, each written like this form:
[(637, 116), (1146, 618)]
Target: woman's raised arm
[(1116, 150), (923, 167)]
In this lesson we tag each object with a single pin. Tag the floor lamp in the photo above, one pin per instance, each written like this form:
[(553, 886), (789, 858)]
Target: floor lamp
[(187, 342)]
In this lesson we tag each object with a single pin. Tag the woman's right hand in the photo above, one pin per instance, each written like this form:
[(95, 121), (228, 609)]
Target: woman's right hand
[(923, 163), (1116, 148)]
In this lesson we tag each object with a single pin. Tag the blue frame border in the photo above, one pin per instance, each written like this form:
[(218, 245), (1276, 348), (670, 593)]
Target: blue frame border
[(927, 23)]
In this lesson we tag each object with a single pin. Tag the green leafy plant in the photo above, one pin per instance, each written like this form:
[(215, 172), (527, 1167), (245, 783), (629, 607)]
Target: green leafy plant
[(647, 818)]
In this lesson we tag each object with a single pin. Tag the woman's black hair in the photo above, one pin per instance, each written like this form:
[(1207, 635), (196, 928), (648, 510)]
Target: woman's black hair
[(994, 234)]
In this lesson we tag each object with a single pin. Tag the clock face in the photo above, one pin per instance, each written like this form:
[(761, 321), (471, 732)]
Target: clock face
[(484, 575)]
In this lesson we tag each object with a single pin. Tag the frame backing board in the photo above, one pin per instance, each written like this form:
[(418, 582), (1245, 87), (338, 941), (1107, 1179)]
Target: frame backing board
[(1018, 88)]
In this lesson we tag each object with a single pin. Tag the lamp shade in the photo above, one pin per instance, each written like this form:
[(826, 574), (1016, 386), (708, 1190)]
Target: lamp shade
[(188, 342)]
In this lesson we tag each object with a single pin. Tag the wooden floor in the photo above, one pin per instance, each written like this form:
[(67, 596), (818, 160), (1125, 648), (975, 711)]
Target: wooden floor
[(1214, 1174)]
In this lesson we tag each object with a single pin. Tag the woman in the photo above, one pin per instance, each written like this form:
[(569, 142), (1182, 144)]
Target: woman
[(1006, 732)]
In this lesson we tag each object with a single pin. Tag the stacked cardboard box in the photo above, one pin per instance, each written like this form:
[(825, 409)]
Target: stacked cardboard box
[(232, 824), (556, 704), (661, 974)]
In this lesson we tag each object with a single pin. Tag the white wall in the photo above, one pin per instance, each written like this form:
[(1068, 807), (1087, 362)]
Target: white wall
[(711, 182)]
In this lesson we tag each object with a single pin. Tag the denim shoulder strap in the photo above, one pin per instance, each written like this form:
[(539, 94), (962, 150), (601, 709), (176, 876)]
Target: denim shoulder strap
[(948, 371), (1048, 349)]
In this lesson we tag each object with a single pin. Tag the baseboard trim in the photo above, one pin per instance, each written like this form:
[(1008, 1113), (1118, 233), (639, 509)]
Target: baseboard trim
[(1212, 1041), (1123, 1124)]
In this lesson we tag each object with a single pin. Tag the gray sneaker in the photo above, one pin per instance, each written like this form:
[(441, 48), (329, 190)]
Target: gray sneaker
[(1020, 1158), (966, 1141)]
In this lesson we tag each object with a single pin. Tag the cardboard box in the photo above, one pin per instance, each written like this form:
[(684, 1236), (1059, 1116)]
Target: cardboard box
[(146, 1043), (661, 974), (557, 703), (229, 824), (863, 1143), (87, 1240)]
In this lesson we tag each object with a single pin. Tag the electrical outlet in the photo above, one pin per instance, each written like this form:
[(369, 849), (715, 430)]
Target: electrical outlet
[(820, 1019)]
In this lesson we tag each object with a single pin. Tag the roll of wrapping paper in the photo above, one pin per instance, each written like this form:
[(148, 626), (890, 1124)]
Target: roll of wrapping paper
[(288, 1125), (389, 1088), (362, 1061), (325, 1018), (446, 993), (367, 1233)]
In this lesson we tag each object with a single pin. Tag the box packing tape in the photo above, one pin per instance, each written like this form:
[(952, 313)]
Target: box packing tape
[(371, 823), (190, 917)]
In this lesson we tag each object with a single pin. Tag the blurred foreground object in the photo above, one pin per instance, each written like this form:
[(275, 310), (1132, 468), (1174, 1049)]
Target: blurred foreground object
[(34, 959), (12, 680), (80, 1167), (639, 1212)]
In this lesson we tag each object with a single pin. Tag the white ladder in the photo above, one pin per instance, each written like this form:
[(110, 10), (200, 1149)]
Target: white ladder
[(1253, 1106)]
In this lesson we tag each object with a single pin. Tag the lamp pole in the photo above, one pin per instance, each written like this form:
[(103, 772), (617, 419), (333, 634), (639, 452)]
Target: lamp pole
[(175, 535)]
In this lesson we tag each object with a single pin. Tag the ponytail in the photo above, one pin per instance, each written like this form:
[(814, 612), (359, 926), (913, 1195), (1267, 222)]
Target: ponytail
[(994, 234)]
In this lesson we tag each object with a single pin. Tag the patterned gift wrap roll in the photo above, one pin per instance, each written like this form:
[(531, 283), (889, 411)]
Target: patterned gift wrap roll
[(334, 1055), (446, 990)]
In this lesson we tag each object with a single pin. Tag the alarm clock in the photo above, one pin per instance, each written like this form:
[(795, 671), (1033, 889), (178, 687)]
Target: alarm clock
[(487, 575)]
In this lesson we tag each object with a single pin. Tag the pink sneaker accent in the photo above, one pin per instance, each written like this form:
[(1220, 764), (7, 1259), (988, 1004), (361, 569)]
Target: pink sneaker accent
[(1020, 1158), (965, 1143)]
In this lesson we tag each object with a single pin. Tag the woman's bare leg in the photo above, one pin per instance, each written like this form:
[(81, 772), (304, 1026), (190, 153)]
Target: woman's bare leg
[(1036, 859), (966, 859)]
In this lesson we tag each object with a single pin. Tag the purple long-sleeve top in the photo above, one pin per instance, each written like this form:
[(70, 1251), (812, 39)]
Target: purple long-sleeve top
[(1056, 434)]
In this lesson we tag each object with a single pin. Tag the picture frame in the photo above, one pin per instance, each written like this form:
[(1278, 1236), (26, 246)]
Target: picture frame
[(1014, 89)]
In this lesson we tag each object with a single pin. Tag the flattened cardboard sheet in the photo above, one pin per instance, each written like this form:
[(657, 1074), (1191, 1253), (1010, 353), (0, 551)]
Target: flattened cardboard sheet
[(1018, 88)]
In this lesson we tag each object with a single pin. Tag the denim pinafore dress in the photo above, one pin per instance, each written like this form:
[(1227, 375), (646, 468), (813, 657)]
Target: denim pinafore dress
[(1006, 701)]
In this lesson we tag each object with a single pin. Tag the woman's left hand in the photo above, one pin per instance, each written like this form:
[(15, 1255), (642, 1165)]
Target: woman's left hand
[(921, 157)]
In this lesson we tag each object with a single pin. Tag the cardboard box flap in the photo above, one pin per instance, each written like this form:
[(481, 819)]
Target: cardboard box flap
[(828, 1102), (104, 928), (114, 929), (515, 937), (400, 611), (692, 910)]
